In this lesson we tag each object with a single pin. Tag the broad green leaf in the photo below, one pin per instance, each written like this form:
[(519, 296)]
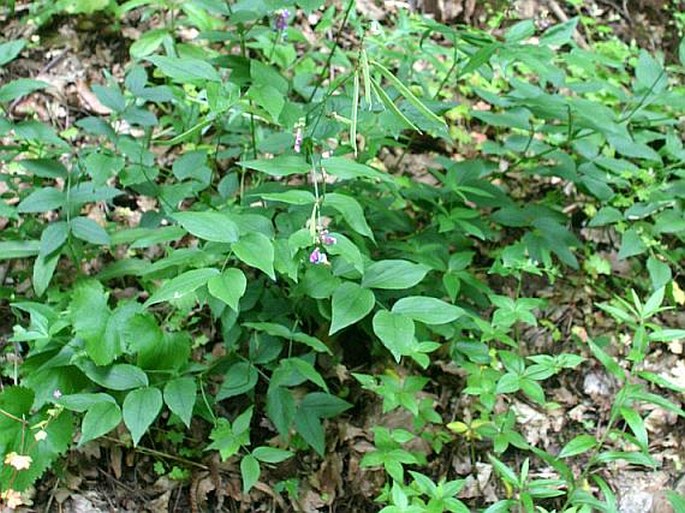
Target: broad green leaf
[(256, 250), (606, 215), (637, 426), (241, 377), (43, 454), (396, 332), (393, 274), (264, 74), (88, 230), (229, 287), (309, 427), (280, 408), (560, 34), (100, 419), (284, 165), (278, 330), (241, 424), (661, 381), (505, 472), (180, 395), (146, 237), (16, 401), (120, 376), (503, 506), (212, 226), (270, 328), (291, 197), (182, 285), (312, 342), (350, 303), (147, 43), (650, 74), (607, 361), (310, 5), (89, 314), (169, 354), (579, 445), (42, 200), (346, 249), (351, 211), (639, 394), (85, 6), (324, 405), (110, 97), (140, 410), (224, 439), (249, 471), (631, 244), (19, 249), (667, 335), (479, 58), (43, 271), (53, 237), (20, 87), (10, 49), (271, 454), (84, 401), (185, 69), (89, 192), (676, 499), (269, 98), (520, 31), (659, 273), (298, 368), (633, 458), (427, 310), (347, 169)]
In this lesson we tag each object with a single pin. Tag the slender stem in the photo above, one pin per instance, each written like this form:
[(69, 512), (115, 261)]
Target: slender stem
[(204, 398), (13, 417), (644, 97), (243, 52), (455, 61), (412, 137), (160, 454), (336, 43), (253, 137)]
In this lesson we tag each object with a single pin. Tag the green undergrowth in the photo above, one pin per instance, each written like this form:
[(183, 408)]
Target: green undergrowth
[(208, 256)]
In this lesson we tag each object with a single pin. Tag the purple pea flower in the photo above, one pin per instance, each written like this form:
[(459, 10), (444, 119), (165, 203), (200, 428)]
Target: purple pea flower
[(326, 239), (281, 22), (317, 257), (298, 140)]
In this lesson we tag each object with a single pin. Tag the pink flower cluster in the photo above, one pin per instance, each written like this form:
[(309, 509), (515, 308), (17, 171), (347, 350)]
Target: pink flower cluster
[(317, 256)]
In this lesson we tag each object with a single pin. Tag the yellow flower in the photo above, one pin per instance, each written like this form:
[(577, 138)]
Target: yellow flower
[(18, 461), (12, 498)]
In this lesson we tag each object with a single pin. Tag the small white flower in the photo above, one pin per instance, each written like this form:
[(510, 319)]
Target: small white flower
[(18, 461), (40, 435), (12, 498)]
